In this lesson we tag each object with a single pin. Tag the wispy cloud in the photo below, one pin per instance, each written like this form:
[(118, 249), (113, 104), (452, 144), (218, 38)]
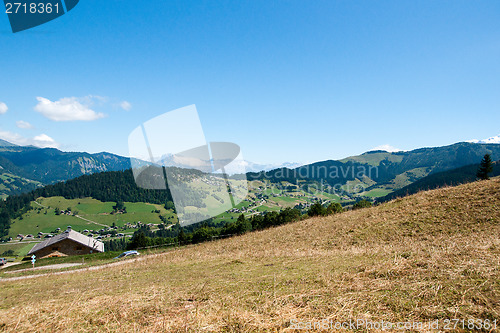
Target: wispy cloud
[(387, 148), (24, 124), (3, 108), (41, 141), (126, 106), (67, 109)]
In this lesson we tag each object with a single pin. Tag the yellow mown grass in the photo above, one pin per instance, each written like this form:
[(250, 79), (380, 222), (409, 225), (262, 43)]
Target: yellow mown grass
[(430, 256)]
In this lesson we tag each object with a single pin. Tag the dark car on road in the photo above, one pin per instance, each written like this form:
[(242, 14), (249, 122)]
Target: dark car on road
[(127, 254)]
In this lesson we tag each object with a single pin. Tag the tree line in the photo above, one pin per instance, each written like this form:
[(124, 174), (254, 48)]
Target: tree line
[(208, 230), (114, 186)]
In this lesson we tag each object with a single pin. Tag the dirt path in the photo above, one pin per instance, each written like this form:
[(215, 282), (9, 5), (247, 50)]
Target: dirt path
[(39, 204), (82, 218)]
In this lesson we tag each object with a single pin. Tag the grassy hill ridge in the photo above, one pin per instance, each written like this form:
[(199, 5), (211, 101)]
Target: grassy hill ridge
[(433, 255)]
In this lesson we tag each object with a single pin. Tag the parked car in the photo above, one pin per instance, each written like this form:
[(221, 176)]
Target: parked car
[(2, 261), (127, 254)]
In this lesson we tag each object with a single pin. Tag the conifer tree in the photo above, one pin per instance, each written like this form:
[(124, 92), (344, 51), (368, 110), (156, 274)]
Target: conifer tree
[(485, 168)]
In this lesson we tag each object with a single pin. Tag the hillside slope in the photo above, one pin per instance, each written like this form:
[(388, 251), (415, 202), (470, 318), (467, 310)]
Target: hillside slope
[(14, 185), (49, 165), (105, 186), (374, 170), (452, 177), (433, 255), (384, 170)]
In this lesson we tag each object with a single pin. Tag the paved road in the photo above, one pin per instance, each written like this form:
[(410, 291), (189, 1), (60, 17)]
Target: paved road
[(18, 242), (56, 266), (92, 268), (10, 264)]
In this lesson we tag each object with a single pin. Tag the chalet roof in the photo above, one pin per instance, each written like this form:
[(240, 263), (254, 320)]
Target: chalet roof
[(72, 235)]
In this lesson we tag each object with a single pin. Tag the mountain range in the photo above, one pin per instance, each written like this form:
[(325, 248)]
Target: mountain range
[(23, 168), (383, 172)]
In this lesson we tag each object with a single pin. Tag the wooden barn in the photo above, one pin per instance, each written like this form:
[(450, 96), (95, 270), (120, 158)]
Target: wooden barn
[(69, 243)]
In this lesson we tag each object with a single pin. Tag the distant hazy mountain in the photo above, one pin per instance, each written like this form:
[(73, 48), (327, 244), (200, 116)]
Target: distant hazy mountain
[(236, 166), (256, 167)]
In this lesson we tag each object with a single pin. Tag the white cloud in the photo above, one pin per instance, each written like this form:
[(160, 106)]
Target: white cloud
[(387, 148), (41, 141), (493, 139), (44, 141), (3, 108), (126, 105), (66, 109), (24, 124)]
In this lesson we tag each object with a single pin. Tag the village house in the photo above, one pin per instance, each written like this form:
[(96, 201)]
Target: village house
[(68, 243)]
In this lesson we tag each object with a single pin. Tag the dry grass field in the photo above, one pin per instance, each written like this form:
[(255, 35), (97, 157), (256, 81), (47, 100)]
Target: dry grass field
[(434, 255)]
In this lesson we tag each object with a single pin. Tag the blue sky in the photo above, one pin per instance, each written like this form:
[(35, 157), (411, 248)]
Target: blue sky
[(286, 80)]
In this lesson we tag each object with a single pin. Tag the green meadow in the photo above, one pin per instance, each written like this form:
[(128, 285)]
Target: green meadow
[(94, 215)]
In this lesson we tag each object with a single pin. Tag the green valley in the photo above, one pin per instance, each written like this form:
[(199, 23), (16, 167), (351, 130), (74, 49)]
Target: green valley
[(109, 205)]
